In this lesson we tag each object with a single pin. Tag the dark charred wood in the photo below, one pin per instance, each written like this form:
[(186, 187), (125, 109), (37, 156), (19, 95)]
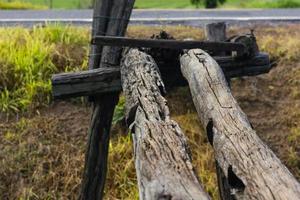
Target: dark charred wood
[(103, 105), (86, 83), (169, 44)]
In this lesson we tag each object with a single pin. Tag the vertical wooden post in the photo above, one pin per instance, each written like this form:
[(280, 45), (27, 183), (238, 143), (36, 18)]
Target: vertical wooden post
[(110, 17), (215, 32)]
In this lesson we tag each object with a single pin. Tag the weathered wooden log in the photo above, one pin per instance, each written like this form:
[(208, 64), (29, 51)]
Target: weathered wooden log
[(97, 81), (252, 170), (103, 105), (162, 160)]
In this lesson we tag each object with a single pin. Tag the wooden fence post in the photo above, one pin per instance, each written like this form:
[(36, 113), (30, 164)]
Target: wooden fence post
[(162, 160), (250, 168), (110, 17)]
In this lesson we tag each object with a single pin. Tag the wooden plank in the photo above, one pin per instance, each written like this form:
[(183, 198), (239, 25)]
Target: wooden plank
[(169, 44), (103, 105), (162, 160), (86, 83), (251, 169), (96, 81)]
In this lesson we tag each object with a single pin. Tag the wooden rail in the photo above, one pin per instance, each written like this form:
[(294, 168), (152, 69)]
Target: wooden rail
[(246, 167), (168, 44), (162, 160), (105, 80), (251, 169)]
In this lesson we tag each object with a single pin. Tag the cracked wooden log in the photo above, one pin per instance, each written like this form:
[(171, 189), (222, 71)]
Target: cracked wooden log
[(251, 169), (105, 14), (162, 159), (97, 81)]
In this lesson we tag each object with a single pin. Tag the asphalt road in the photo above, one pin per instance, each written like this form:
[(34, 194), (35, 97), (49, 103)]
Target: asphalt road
[(154, 17)]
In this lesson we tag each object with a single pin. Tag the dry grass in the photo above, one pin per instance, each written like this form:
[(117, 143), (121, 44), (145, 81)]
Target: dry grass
[(41, 156)]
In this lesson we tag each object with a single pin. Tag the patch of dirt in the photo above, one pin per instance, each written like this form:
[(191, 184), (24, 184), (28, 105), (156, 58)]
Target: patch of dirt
[(272, 103)]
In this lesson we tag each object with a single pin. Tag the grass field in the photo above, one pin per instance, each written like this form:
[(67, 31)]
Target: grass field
[(42, 142), (78, 4)]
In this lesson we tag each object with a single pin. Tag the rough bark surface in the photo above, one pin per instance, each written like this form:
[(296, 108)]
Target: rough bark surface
[(253, 171), (162, 160), (109, 11)]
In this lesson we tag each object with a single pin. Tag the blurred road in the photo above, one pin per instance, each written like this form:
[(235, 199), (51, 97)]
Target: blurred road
[(154, 17)]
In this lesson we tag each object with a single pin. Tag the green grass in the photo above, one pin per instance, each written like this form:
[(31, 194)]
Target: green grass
[(28, 58), (18, 5), (262, 4), (163, 4), (146, 4)]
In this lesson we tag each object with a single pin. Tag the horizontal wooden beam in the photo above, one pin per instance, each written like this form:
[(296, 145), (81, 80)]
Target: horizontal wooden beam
[(169, 44), (105, 80), (86, 83)]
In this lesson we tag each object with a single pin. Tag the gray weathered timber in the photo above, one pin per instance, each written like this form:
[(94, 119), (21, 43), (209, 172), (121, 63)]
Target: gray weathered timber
[(96, 81), (103, 105), (253, 171), (217, 32), (86, 83), (162, 160)]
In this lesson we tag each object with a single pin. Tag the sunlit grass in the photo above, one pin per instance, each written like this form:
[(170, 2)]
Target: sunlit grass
[(19, 5), (28, 58)]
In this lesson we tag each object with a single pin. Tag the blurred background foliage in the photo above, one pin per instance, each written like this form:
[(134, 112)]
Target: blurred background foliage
[(85, 4)]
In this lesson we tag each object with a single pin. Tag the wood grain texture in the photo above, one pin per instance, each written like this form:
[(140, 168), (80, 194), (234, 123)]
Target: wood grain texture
[(217, 32), (103, 105), (253, 171), (162, 159)]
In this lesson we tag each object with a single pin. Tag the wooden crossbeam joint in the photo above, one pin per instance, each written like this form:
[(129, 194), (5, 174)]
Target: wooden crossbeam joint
[(107, 80)]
